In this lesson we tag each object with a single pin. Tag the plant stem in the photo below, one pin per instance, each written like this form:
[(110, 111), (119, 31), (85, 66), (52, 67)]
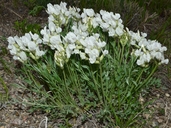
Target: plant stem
[(122, 53), (96, 86), (149, 76), (101, 83), (139, 75)]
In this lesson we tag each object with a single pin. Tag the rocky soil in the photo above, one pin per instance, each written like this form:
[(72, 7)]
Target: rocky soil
[(13, 115)]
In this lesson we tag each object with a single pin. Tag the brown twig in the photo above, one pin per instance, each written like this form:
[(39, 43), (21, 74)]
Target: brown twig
[(12, 11)]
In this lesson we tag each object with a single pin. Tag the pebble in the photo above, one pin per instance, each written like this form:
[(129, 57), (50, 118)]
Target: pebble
[(167, 95), (16, 122), (161, 105), (160, 121), (154, 123), (158, 95), (146, 116)]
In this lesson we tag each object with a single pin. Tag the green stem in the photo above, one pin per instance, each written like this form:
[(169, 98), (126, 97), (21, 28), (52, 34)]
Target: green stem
[(122, 53), (5, 88), (140, 75), (101, 83), (154, 69), (96, 86), (70, 99), (149, 76)]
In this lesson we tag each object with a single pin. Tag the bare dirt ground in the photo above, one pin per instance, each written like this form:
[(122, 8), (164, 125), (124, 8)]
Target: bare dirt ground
[(17, 115)]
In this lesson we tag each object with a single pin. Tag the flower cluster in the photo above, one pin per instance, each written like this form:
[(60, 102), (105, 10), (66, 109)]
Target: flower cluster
[(147, 50), (20, 46), (70, 32)]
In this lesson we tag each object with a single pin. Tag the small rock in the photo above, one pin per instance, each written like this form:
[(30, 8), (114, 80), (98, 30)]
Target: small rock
[(167, 95), (146, 116), (155, 123), (161, 105), (17, 121), (158, 95), (160, 121)]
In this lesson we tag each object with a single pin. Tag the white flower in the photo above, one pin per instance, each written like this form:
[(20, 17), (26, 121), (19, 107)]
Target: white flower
[(11, 40), (119, 31), (106, 16), (22, 56), (69, 50), (63, 7), (52, 9), (105, 26), (101, 44), (135, 36), (138, 52), (92, 59), (76, 51), (74, 12), (112, 23), (96, 21), (159, 56), (25, 40), (70, 37), (82, 27), (144, 34), (13, 50), (82, 55), (140, 62), (88, 12), (143, 42), (19, 42), (87, 15), (165, 61), (34, 36), (46, 39), (93, 54), (147, 57), (60, 58), (39, 53), (143, 59), (52, 26), (16, 58), (89, 42), (105, 52), (162, 49), (51, 18), (56, 43), (116, 16), (32, 46), (38, 41), (111, 32)]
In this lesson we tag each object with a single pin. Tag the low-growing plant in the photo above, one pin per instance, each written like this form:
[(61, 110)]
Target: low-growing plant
[(25, 27), (87, 63), (4, 94), (4, 65), (36, 10), (36, 6)]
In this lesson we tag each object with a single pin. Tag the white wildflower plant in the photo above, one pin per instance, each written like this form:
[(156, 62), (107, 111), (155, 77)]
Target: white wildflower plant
[(88, 57)]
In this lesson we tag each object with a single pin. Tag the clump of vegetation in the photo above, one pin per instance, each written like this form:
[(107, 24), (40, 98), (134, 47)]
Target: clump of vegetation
[(25, 27), (4, 94), (84, 62)]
